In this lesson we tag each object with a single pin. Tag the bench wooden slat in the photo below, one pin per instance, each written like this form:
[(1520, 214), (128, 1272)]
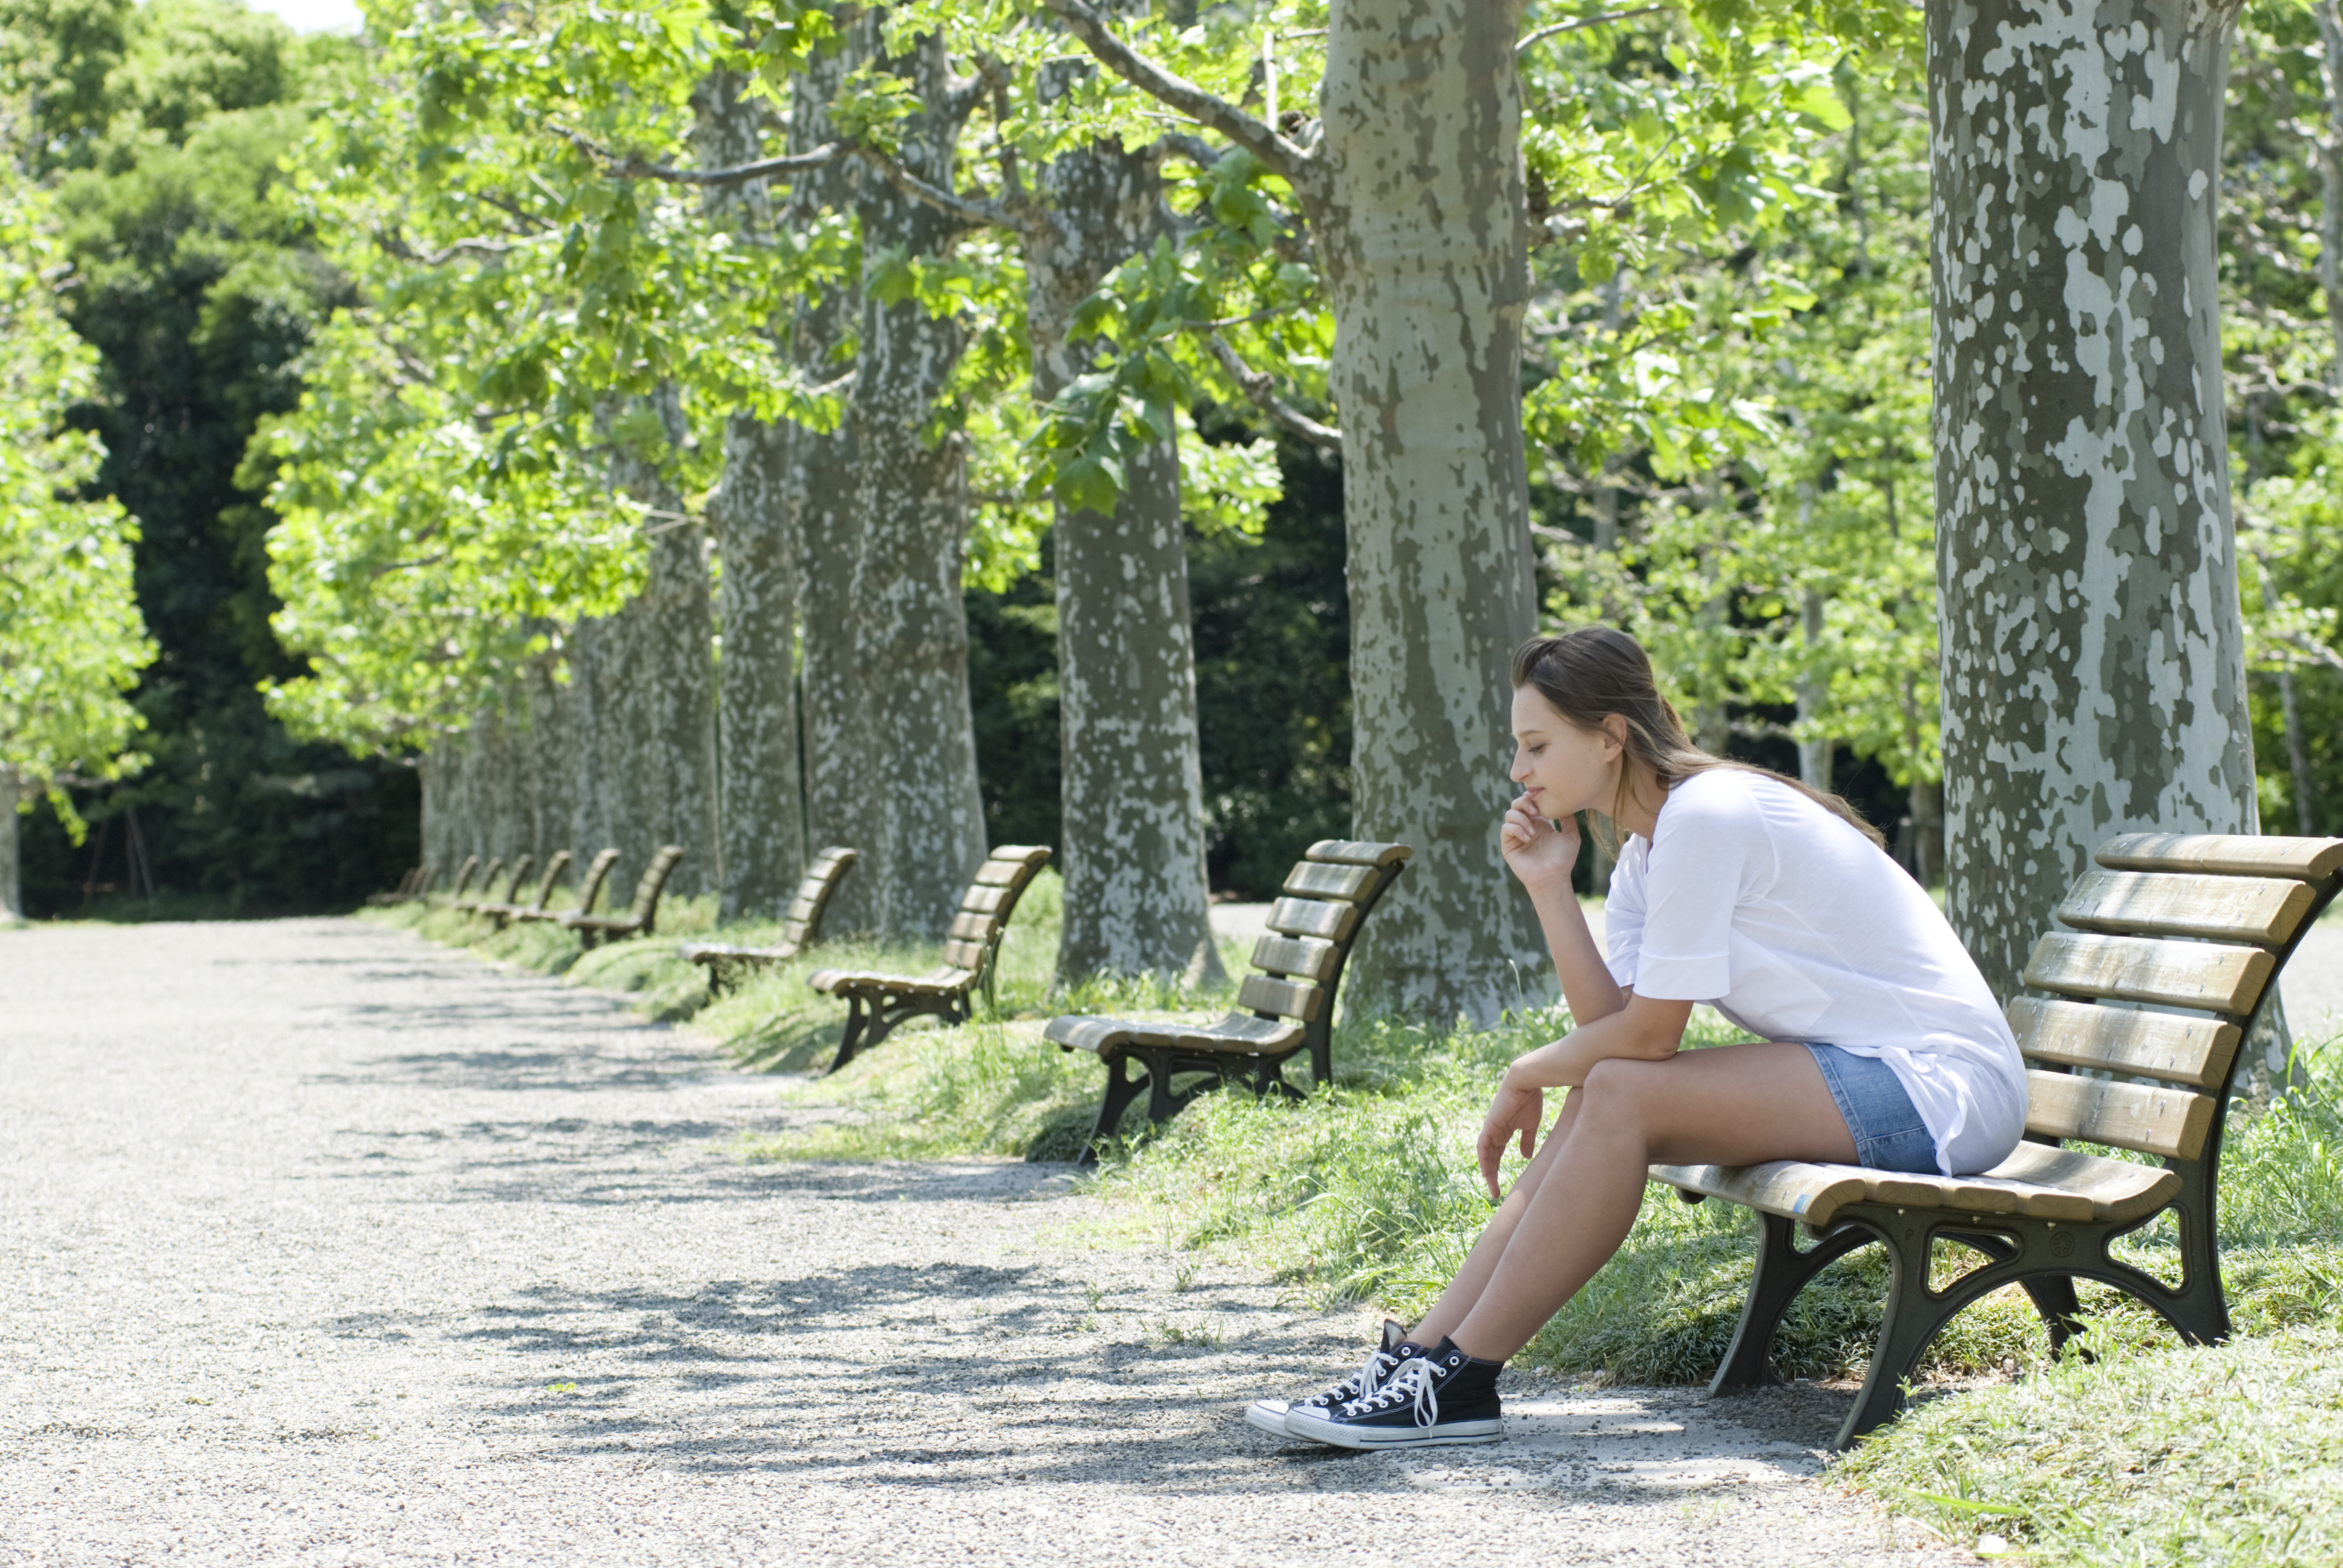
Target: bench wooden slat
[(1357, 852), (985, 900), (1238, 1034), (2213, 977), (2164, 1122), (2037, 1182), (1306, 957), (965, 955), (2259, 909), (968, 928), (800, 909), (2185, 1050), (1349, 884), (2224, 854), (1312, 918), (998, 873), (1287, 999)]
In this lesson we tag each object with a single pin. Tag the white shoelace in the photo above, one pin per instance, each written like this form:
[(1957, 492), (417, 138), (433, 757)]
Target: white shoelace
[(1417, 1382), (1370, 1376)]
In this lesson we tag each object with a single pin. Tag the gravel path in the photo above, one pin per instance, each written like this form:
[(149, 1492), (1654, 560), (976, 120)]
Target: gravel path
[(322, 1245)]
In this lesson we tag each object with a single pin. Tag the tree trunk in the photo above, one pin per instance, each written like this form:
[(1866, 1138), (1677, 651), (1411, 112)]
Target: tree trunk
[(587, 730), (1422, 232), (12, 870), (761, 806), (2331, 178), (2093, 665), (669, 693), (912, 626), (841, 774), (1813, 693), (1132, 793)]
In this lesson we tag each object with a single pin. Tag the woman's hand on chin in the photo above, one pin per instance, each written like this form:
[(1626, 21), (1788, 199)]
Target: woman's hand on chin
[(1516, 1111), (1538, 851)]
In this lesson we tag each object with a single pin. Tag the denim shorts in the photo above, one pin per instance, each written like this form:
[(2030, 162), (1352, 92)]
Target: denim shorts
[(1888, 1133)]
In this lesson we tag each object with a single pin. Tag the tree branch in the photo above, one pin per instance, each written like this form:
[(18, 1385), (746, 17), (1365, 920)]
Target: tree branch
[(1208, 109), (2317, 651), (1257, 386), (974, 214), (632, 167), (1543, 34)]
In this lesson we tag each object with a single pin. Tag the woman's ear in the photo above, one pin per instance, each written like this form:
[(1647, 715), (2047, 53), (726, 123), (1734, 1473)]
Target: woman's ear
[(1614, 731)]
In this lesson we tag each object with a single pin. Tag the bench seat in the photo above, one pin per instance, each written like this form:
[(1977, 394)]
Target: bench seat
[(2037, 1181), (1238, 1034), (944, 979), (800, 926)]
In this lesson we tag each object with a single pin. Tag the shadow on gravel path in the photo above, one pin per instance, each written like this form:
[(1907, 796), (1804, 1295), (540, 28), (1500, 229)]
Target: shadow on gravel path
[(324, 1246)]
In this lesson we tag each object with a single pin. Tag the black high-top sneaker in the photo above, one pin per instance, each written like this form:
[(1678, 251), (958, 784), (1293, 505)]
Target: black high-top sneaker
[(1444, 1397), (1269, 1414)]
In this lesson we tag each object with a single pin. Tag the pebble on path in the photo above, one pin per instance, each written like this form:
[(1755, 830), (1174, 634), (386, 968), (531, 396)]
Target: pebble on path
[(322, 1245)]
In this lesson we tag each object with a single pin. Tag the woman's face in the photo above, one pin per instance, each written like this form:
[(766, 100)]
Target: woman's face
[(1559, 766)]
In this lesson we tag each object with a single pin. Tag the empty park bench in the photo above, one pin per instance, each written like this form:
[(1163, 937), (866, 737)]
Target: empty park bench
[(2195, 928), (515, 909), (487, 884), (488, 897), (464, 877), (1285, 1009), (799, 926), (598, 871), (876, 1002), (414, 885), (640, 920)]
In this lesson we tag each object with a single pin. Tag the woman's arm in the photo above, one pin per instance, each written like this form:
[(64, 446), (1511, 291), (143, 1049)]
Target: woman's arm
[(1541, 854), (1645, 1028)]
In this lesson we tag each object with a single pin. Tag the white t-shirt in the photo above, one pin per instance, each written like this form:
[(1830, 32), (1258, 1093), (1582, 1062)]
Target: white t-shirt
[(1756, 901)]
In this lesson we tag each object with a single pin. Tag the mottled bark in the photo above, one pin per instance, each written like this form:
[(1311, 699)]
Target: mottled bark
[(760, 799), (1421, 228), (2093, 665), (1136, 896), (841, 775), (12, 870), (1814, 755), (665, 700), (911, 628)]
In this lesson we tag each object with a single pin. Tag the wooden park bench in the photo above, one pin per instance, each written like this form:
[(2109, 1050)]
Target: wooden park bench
[(464, 877), (638, 921), (2175, 951), (598, 871), (480, 906), (513, 910), (876, 1002), (1285, 1009), (488, 882), (414, 885), (800, 928)]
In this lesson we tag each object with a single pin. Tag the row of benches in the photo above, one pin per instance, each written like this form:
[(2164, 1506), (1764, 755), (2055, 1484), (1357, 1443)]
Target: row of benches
[(2172, 954), (640, 919)]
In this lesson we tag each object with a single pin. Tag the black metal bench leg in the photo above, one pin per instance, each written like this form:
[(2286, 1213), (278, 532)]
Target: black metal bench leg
[(1911, 1320), (858, 1017), (1161, 1104), (1781, 1272), (1122, 1088), (2054, 1297)]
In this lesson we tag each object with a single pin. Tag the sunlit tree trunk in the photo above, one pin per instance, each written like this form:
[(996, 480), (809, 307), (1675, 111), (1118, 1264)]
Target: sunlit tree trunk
[(1423, 235), (2093, 650), (841, 776), (12, 871), (910, 622), (1136, 898), (760, 809)]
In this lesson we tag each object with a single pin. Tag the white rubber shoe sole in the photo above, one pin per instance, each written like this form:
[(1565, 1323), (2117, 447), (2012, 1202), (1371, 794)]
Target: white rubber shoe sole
[(1315, 1428), (1269, 1415)]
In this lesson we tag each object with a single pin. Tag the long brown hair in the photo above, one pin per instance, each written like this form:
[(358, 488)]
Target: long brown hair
[(1593, 672)]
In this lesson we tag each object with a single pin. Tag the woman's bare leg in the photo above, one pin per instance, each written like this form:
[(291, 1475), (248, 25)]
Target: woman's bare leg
[(1729, 1105), (1480, 1263)]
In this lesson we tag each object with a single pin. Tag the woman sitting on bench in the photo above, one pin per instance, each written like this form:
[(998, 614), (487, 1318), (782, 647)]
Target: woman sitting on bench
[(1736, 887)]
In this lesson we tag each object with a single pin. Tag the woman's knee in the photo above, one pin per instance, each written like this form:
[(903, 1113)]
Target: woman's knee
[(1619, 1092)]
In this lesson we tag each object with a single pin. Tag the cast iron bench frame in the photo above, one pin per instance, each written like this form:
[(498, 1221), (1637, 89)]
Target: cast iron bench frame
[(1285, 1009), (2203, 923), (876, 1002)]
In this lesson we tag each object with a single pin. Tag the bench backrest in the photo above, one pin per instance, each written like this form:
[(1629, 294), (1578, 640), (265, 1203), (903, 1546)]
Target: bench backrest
[(464, 876), (827, 869), (974, 939), (521, 871), (488, 877), (2194, 921), (1317, 916), (598, 871), (646, 891), (553, 869), (405, 888), (430, 874)]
